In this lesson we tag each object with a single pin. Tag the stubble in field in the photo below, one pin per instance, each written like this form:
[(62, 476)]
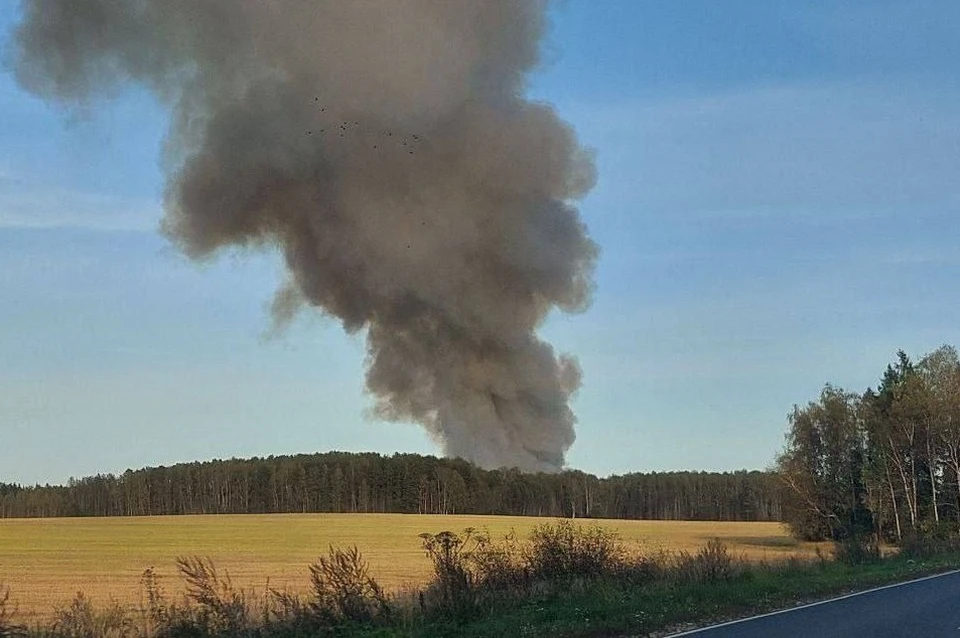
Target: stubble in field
[(46, 562)]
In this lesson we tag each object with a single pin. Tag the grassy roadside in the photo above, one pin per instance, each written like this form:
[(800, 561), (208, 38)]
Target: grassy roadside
[(612, 608), (46, 561), (565, 580)]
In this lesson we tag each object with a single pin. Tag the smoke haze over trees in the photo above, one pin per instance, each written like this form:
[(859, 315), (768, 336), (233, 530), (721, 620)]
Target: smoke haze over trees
[(403, 483), (387, 151), (884, 462)]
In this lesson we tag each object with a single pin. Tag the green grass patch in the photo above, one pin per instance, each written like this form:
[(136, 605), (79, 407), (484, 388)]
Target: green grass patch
[(613, 607)]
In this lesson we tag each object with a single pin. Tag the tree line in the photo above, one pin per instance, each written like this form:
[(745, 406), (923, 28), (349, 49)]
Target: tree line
[(884, 462), (401, 483)]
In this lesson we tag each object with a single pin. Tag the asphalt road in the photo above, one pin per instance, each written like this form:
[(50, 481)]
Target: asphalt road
[(926, 607)]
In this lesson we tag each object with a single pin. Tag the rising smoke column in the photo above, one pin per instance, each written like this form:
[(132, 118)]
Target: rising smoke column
[(386, 149)]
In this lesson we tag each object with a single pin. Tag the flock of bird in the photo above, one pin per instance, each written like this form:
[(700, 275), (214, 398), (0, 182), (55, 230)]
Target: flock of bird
[(343, 127)]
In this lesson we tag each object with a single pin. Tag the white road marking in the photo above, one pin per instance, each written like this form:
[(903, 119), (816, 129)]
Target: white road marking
[(808, 605)]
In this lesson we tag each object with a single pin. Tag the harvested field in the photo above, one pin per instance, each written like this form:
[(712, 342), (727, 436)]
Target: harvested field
[(46, 561)]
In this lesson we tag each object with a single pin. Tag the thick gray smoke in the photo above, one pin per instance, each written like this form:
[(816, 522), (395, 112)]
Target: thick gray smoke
[(386, 149)]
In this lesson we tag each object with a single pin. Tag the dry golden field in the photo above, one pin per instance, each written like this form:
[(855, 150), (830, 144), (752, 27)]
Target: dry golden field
[(46, 561)]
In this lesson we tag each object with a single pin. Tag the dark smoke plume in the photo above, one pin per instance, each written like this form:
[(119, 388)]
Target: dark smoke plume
[(386, 149)]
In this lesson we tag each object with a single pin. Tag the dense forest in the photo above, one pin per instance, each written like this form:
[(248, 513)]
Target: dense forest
[(884, 462), (403, 483)]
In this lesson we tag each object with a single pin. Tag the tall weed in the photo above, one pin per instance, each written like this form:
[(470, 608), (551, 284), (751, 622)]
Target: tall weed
[(857, 550), (81, 619), (221, 609), (9, 628), (454, 580), (710, 564), (343, 589)]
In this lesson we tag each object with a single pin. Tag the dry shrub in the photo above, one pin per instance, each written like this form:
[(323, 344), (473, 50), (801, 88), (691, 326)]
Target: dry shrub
[(562, 550), (343, 592), (712, 563), (938, 541), (471, 571), (343, 589), (856, 550), (453, 588), (9, 628), (288, 611), (82, 620), (499, 565), (640, 568), (162, 619), (220, 607), (154, 611)]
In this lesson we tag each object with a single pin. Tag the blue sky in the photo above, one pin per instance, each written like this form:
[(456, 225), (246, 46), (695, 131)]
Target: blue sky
[(778, 206)]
